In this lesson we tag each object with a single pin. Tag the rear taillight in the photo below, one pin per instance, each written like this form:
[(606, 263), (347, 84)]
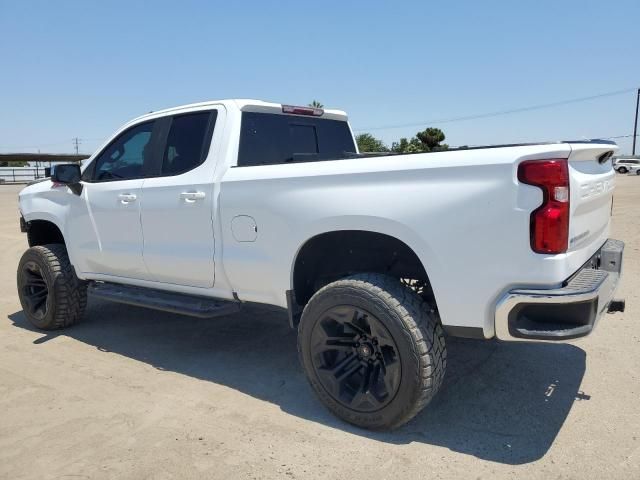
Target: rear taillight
[(549, 228)]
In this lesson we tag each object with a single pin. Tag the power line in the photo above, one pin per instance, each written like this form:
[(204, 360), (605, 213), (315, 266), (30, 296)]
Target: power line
[(6, 147), (77, 141), (10, 147), (499, 112), (620, 136)]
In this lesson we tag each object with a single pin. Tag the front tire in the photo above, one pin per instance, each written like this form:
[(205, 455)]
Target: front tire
[(51, 295), (372, 350)]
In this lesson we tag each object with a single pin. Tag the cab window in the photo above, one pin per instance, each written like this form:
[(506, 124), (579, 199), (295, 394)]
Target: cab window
[(126, 157), (188, 142), (272, 139)]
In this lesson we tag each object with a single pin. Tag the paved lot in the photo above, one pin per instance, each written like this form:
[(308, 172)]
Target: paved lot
[(138, 394)]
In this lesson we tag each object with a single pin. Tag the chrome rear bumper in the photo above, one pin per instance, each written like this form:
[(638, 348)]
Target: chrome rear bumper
[(571, 311)]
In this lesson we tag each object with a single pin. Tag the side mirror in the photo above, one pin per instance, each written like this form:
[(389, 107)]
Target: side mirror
[(66, 173)]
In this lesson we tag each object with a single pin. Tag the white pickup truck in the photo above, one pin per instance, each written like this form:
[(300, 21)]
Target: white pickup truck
[(200, 208)]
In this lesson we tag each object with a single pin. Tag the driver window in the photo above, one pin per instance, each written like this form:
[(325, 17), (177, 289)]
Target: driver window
[(125, 157)]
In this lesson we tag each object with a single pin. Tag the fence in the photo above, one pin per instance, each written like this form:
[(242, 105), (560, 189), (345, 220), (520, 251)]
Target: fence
[(21, 174)]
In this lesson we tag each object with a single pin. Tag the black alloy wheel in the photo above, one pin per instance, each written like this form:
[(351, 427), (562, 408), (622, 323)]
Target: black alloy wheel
[(34, 290), (372, 349), (51, 294), (356, 358)]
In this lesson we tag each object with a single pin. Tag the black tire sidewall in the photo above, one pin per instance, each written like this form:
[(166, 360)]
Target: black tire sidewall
[(37, 256), (409, 390)]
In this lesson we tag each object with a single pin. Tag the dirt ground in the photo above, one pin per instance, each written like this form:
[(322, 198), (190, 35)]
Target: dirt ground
[(131, 393)]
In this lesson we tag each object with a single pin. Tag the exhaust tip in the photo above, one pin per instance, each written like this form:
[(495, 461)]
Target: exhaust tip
[(616, 305)]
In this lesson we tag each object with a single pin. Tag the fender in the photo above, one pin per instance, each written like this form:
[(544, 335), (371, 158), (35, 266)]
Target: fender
[(385, 226), (44, 201)]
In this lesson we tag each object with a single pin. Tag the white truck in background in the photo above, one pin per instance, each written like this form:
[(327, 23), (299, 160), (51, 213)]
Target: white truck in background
[(200, 208), (626, 164)]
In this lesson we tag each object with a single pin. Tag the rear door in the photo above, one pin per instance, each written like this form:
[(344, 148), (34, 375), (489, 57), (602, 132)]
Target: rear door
[(178, 207)]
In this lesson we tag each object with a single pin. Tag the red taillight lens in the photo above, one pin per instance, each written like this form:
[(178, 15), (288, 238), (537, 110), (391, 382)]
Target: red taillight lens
[(550, 221), (314, 112)]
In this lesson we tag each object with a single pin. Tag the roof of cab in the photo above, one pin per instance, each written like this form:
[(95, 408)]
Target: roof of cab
[(242, 104)]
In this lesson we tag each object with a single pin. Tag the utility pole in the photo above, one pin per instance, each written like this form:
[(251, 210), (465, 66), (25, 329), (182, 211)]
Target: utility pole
[(635, 125), (76, 143)]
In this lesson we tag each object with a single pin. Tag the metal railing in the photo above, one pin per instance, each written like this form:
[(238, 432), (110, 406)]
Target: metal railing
[(22, 174)]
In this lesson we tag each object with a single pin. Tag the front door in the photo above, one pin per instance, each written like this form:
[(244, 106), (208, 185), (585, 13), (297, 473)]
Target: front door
[(109, 240)]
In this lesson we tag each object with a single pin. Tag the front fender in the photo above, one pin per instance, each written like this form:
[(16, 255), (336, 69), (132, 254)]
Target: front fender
[(44, 201)]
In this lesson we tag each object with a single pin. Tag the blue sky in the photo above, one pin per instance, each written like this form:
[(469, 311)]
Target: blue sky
[(82, 68)]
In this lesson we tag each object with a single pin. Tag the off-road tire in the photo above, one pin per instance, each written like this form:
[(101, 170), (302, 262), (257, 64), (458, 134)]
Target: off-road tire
[(66, 298), (415, 329)]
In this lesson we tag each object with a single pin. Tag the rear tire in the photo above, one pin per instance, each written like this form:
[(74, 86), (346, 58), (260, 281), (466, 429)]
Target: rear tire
[(622, 170), (372, 350), (51, 295)]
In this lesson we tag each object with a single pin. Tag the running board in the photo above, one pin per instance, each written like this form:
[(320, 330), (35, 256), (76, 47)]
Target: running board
[(191, 305)]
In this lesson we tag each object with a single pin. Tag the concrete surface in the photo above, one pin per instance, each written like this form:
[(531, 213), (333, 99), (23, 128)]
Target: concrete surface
[(138, 394)]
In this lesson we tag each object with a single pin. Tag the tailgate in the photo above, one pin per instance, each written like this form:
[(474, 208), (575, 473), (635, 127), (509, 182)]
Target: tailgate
[(592, 183)]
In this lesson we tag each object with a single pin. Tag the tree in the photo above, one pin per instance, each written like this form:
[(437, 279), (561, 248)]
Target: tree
[(17, 163), (316, 104), (431, 139), (408, 146), (368, 143)]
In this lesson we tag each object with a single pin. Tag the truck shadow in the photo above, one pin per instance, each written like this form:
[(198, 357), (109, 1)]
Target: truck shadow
[(500, 402)]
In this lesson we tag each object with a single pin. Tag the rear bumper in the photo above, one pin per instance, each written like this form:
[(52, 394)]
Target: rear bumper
[(564, 313)]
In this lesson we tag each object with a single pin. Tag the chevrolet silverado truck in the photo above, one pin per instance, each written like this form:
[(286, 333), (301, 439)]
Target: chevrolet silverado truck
[(201, 208)]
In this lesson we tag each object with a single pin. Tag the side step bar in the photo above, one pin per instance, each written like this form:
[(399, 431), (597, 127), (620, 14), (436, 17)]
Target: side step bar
[(191, 305)]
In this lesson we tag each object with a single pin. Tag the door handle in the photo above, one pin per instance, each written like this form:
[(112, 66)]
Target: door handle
[(191, 197), (127, 198)]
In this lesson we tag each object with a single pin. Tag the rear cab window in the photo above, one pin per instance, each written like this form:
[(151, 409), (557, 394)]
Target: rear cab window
[(272, 139), (188, 142)]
